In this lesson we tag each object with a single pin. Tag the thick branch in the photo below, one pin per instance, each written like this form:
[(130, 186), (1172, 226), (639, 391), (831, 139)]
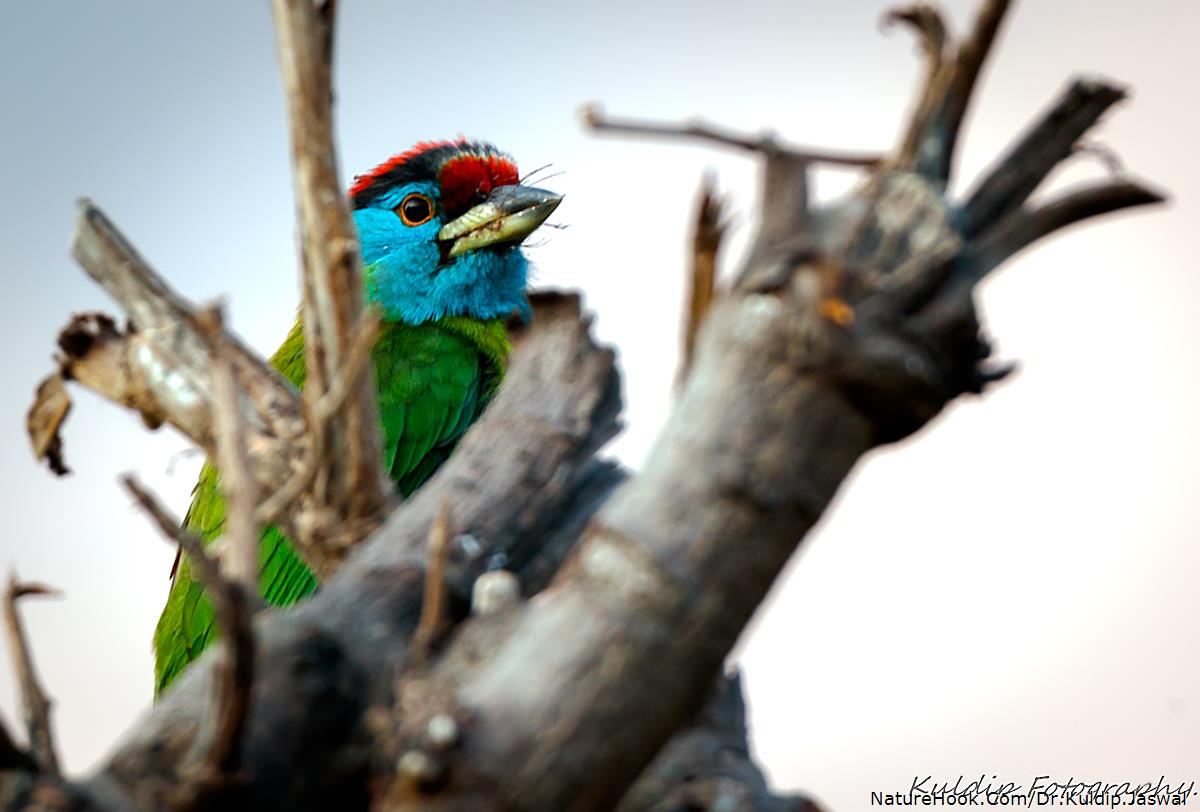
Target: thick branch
[(35, 704), (625, 641), (322, 665)]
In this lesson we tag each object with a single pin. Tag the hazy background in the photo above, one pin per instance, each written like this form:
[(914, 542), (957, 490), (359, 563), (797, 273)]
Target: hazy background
[(1012, 592)]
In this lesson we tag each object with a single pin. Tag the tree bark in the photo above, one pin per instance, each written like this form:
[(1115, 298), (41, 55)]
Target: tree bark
[(849, 326)]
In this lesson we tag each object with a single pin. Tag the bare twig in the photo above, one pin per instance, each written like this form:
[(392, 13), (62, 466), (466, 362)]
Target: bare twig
[(706, 242), (359, 355), (596, 119), (1106, 155), (240, 531), (35, 704), (320, 413), (350, 476), (233, 606), (433, 607)]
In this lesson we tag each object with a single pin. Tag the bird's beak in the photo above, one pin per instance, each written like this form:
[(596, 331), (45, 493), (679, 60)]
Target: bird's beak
[(509, 215)]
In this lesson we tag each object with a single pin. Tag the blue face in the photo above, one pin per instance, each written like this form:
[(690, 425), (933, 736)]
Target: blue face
[(405, 272)]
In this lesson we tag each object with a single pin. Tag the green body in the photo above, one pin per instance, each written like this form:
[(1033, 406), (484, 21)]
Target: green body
[(434, 380)]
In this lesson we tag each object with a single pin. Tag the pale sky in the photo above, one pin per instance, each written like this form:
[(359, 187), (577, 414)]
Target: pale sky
[(1012, 592)]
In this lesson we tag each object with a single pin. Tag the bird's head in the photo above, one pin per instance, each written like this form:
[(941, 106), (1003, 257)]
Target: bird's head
[(440, 228)]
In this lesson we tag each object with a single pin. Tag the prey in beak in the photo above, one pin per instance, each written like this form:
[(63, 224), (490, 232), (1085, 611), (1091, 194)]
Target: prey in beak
[(507, 216)]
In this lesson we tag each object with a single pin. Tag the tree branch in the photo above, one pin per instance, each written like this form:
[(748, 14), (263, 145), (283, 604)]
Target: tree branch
[(220, 768), (1022, 227), (239, 533), (706, 242), (161, 366), (35, 704), (1052, 139), (433, 608), (594, 118), (350, 477), (782, 400)]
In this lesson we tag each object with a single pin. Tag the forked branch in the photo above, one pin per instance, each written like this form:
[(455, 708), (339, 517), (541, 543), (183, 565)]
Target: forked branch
[(34, 702)]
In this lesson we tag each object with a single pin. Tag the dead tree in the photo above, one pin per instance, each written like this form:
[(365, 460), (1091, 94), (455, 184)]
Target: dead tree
[(576, 677)]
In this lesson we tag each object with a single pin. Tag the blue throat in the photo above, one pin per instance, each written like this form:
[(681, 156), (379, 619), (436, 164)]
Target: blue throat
[(403, 273)]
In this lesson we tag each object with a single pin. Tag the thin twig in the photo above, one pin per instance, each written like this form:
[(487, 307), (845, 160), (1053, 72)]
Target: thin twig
[(433, 606), (275, 505), (706, 242), (596, 119), (240, 530), (361, 344), (35, 703), (1108, 157), (320, 413), (232, 605)]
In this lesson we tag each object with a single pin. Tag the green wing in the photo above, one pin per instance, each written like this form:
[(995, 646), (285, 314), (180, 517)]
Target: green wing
[(434, 380)]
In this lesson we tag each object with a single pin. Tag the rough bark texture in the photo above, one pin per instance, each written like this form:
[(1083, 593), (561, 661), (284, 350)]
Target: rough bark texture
[(848, 327)]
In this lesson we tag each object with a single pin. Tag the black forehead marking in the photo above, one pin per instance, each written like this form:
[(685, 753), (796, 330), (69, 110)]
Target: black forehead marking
[(421, 163)]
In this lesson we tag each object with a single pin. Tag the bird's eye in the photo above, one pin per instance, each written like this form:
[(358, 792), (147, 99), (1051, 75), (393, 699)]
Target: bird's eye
[(415, 210)]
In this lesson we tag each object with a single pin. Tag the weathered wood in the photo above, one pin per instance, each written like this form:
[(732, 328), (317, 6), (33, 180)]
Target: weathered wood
[(849, 327), (707, 765)]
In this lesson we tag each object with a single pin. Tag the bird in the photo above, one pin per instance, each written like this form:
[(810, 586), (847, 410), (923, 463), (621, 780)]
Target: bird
[(440, 228)]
